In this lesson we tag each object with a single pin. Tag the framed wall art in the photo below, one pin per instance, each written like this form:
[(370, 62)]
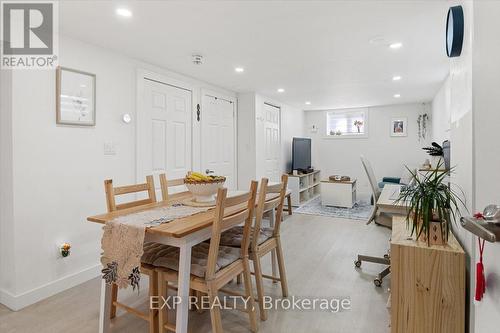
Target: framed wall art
[(75, 97), (399, 127)]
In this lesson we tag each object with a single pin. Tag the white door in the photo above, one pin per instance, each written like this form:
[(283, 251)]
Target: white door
[(218, 138), (272, 142), (164, 131)]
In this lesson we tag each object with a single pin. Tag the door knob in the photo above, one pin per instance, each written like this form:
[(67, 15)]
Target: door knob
[(208, 171)]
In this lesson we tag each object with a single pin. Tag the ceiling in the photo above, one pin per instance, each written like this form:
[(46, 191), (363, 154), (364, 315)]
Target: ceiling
[(334, 54)]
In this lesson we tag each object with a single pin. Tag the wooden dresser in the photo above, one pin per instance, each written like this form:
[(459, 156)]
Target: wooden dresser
[(427, 284)]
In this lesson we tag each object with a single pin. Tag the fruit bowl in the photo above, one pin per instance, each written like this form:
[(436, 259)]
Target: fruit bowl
[(204, 188)]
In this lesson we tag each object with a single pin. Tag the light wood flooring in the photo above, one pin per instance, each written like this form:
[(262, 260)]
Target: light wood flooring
[(319, 255)]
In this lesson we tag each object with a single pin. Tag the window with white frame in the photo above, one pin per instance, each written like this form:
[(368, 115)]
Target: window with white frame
[(346, 123)]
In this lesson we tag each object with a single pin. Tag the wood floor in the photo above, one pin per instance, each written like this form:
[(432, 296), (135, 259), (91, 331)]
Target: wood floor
[(323, 270)]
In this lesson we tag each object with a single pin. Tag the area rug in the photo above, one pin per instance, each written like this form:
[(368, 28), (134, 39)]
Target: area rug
[(361, 210)]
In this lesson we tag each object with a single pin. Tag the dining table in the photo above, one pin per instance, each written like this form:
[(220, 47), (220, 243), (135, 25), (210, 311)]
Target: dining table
[(183, 233)]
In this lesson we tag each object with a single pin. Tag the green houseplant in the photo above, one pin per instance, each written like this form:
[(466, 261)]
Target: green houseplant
[(431, 205)]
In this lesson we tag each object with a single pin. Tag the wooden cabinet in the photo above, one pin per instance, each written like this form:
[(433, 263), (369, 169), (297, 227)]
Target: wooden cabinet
[(304, 187), (338, 193), (427, 284)]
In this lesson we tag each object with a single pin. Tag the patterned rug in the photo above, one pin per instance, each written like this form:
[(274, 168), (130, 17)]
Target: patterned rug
[(361, 210)]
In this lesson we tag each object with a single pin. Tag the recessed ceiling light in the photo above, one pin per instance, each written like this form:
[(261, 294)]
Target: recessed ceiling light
[(395, 45), (124, 12), (280, 90), (239, 69), (397, 95), (396, 78), (308, 103)]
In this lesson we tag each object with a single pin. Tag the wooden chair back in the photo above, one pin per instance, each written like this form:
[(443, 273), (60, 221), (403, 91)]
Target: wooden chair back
[(165, 184), (112, 192), (222, 223), (264, 205)]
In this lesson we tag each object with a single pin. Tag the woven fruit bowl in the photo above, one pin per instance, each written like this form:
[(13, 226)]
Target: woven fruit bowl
[(204, 190)]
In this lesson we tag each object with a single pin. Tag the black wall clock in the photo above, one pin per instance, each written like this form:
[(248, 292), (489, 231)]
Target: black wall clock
[(454, 31)]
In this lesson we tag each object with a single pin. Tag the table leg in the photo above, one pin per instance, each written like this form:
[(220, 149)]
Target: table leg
[(105, 307), (183, 289), (273, 252)]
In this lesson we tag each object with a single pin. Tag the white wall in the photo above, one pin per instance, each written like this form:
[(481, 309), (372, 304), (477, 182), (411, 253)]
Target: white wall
[(387, 154), (486, 110), (7, 263), (58, 171), (441, 113), (292, 125)]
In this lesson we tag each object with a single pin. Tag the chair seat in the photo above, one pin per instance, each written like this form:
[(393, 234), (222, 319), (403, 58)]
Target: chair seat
[(153, 251), (199, 256), (233, 236)]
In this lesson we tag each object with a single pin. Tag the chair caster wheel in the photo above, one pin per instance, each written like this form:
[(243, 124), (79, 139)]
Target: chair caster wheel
[(357, 263), (377, 282)]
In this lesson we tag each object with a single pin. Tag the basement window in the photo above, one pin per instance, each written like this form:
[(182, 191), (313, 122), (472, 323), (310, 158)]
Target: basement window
[(346, 124)]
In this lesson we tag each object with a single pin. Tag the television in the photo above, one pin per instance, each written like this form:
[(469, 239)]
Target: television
[(301, 154)]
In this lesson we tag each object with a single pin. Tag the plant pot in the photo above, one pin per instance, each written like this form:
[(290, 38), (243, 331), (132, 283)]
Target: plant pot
[(436, 237)]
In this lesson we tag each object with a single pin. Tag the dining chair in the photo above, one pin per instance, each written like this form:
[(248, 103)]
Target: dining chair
[(165, 184), (151, 250), (214, 265), (264, 240)]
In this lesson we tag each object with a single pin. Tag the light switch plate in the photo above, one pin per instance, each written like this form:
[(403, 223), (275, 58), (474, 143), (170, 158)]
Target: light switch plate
[(109, 148)]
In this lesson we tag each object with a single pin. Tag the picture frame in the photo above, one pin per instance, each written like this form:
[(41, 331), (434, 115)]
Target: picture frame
[(399, 127), (75, 97)]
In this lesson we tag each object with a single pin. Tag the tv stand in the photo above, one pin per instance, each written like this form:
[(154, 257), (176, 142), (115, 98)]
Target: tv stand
[(304, 187)]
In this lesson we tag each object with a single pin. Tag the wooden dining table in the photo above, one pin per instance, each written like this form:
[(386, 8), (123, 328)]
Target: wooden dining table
[(183, 233)]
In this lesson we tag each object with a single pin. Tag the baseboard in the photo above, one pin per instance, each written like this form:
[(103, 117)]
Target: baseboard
[(17, 302)]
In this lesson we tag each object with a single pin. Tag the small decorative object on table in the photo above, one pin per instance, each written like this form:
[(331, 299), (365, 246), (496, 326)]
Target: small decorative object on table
[(203, 187), (436, 153), (65, 249), (431, 204), (337, 178)]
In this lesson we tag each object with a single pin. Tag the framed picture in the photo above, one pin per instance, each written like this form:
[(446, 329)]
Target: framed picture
[(398, 127), (75, 97)]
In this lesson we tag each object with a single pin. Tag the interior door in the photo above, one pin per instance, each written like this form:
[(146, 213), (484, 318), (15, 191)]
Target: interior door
[(272, 142), (218, 138), (164, 132)]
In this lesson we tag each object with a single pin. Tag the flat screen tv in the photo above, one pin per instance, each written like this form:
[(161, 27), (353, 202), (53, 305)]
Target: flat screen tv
[(301, 154)]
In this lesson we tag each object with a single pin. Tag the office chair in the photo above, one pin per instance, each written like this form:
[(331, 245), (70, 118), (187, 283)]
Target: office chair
[(381, 219)]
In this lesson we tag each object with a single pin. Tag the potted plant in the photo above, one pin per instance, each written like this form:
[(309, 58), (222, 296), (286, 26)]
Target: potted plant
[(431, 205), (358, 124)]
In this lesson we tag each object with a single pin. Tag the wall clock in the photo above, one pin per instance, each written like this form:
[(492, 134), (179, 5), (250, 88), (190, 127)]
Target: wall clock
[(454, 31)]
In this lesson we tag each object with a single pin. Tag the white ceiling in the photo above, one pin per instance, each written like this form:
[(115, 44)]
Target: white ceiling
[(318, 51)]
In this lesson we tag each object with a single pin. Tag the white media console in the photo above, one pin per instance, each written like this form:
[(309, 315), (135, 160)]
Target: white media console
[(304, 187)]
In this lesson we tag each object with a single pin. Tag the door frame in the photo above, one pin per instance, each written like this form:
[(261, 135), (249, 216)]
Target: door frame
[(234, 100), (143, 74)]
